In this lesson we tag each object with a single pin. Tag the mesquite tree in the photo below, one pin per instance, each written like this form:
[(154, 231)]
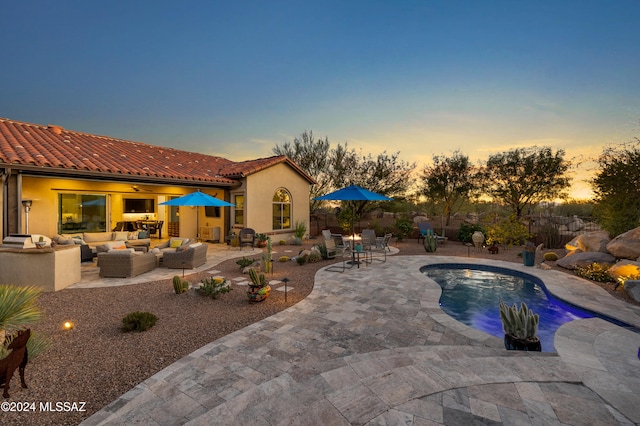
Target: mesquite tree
[(523, 177)]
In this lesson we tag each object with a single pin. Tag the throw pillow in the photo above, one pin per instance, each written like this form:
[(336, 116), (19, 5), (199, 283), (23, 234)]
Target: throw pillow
[(132, 236), (142, 235), (120, 235), (119, 248), (175, 243)]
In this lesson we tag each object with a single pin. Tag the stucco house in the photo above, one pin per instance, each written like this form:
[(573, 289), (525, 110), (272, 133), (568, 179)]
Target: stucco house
[(57, 181)]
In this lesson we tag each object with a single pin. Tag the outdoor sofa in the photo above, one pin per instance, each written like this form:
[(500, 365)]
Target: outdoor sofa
[(104, 241)]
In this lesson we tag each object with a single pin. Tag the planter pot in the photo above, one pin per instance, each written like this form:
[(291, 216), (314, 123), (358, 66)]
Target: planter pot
[(262, 244), (529, 258), (258, 294), (478, 239), (512, 343)]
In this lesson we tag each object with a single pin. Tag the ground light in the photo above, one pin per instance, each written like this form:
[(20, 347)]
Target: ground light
[(68, 325)]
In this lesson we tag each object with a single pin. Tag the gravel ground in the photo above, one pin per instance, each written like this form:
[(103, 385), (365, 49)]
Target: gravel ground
[(96, 362)]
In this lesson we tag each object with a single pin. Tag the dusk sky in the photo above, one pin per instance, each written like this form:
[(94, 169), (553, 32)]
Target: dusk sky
[(420, 77)]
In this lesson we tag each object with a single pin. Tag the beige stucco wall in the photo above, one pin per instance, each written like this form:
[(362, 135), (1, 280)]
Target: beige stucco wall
[(45, 212), (48, 269), (261, 187)]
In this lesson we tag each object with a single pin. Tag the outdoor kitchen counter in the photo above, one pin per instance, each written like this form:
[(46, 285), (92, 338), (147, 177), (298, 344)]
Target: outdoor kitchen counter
[(51, 269)]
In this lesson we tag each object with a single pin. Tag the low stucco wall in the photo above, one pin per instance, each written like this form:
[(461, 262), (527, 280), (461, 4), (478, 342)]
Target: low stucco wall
[(49, 269)]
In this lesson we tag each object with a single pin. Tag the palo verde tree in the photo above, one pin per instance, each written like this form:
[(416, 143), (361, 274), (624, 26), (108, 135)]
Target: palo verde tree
[(523, 177), (617, 188), (449, 182)]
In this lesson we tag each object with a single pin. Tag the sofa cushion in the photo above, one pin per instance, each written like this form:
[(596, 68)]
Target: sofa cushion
[(131, 236), (93, 237)]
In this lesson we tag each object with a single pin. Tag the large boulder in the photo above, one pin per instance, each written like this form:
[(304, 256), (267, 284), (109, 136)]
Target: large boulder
[(627, 269), (626, 246), (590, 241), (578, 259)]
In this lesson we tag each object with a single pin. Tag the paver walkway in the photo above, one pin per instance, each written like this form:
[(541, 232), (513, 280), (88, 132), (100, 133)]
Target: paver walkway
[(371, 346)]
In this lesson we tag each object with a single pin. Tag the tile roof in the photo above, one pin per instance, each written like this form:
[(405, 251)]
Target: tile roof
[(52, 149)]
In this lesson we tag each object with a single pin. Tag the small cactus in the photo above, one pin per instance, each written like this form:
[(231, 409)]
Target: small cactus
[(430, 242), (522, 323), (257, 280), (180, 286), (550, 256)]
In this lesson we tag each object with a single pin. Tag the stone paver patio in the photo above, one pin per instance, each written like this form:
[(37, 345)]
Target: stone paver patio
[(371, 346)]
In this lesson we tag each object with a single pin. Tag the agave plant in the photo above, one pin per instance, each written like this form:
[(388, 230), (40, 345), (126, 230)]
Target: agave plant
[(18, 311)]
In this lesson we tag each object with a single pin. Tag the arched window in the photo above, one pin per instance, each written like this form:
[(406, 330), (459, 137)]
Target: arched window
[(281, 209)]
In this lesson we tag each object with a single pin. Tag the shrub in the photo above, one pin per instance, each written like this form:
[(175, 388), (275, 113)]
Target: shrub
[(595, 272), (244, 262), (282, 242), (404, 227), (466, 231), (508, 232), (212, 287), (322, 248), (138, 321), (283, 259), (302, 259), (550, 256)]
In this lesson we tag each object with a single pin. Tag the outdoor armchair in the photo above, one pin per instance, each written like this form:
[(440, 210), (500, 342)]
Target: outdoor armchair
[(247, 237), (191, 257)]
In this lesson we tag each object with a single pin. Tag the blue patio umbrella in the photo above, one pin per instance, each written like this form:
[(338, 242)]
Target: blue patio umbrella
[(353, 193), (197, 199)]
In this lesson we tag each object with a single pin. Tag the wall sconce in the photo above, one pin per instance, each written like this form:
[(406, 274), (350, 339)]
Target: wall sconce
[(27, 207)]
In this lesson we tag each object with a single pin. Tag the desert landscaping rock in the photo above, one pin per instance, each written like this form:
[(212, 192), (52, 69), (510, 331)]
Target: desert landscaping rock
[(626, 246), (578, 259)]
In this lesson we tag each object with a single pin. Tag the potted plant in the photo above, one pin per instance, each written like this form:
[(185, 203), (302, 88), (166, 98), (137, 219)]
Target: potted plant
[(262, 240), (41, 242), (258, 289), (529, 254), (520, 327)]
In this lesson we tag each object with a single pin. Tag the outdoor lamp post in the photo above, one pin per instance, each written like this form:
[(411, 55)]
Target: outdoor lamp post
[(27, 207)]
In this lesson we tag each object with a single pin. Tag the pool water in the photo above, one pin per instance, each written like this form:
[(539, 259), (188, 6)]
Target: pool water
[(473, 296)]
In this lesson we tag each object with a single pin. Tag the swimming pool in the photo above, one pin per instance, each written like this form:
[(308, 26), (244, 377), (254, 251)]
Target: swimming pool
[(472, 293)]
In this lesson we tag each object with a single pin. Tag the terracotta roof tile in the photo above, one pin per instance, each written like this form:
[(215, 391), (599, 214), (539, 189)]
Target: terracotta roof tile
[(58, 149)]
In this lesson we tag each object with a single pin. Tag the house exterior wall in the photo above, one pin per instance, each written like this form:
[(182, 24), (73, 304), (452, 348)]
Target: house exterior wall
[(260, 188), (45, 211)]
